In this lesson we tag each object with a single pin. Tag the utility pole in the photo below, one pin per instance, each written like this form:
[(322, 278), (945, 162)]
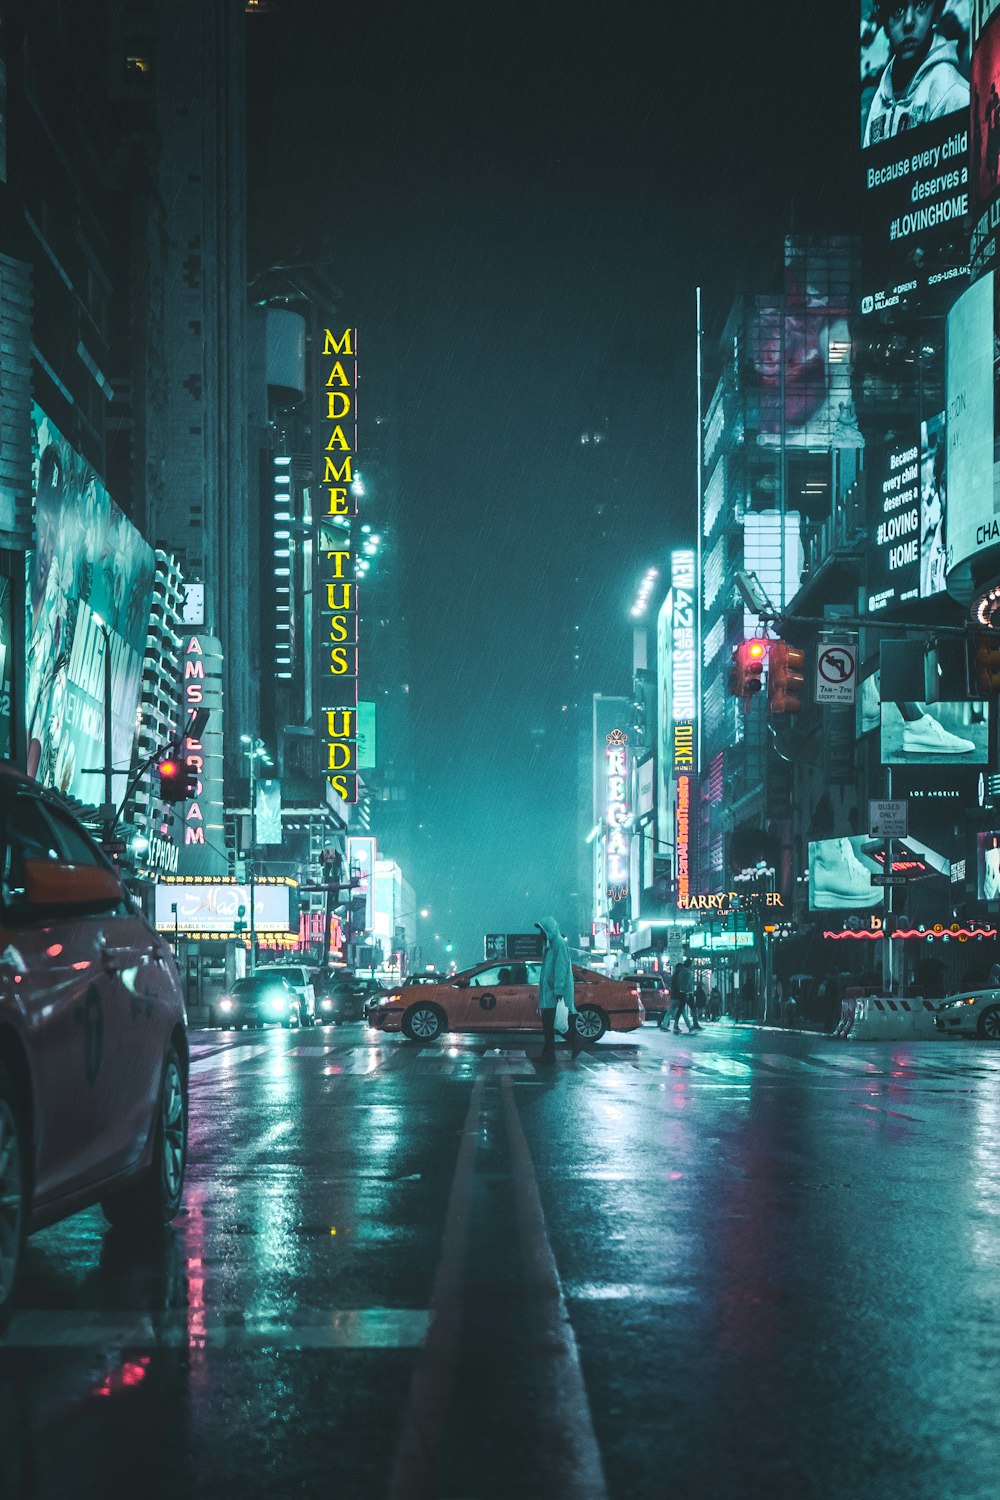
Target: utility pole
[(253, 747)]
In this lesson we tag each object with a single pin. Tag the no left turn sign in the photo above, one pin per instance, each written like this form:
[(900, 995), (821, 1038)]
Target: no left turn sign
[(836, 672)]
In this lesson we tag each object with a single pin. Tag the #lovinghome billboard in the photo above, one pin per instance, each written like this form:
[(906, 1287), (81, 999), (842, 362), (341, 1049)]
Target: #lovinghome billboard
[(90, 585), (914, 75)]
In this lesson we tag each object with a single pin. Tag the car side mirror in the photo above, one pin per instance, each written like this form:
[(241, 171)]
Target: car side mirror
[(54, 884), (461, 984)]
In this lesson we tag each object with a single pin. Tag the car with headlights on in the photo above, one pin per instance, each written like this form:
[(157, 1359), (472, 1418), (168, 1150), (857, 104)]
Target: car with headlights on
[(93, 1036), (494, 997), (300, 981), (971, 1013), (261, 999)]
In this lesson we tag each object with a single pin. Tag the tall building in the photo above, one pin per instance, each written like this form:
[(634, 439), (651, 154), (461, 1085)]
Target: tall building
[(197, 498), (781, 456)]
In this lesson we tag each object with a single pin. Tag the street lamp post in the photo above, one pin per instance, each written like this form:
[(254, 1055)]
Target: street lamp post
[(108, 820), (255, 749)]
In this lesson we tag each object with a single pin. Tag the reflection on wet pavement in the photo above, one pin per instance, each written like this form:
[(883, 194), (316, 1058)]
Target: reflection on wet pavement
[(774, 1257)]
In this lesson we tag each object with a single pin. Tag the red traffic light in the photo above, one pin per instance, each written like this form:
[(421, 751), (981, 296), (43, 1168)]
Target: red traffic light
[(747, 669), (785, 679), (176, 780)]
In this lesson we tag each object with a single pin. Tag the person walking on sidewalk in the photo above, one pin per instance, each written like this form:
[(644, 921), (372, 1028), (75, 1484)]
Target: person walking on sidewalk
[(682, 994), (555, 983)]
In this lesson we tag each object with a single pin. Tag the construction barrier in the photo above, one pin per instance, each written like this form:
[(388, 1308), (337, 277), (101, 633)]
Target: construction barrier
[(879, 1018)]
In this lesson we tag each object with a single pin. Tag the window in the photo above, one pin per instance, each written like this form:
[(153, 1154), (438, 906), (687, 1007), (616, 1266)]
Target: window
[(71, 841), (488, 979)]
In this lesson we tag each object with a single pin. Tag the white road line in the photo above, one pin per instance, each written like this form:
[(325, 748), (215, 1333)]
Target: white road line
[(349, 1328), (560, 1389), (226, 1058)]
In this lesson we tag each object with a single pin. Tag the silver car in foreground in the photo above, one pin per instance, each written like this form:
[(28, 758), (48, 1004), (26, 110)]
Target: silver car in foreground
[(971, 1013)]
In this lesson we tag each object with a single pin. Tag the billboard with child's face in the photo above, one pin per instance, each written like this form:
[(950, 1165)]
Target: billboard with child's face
[(90, 586), (914, 122)]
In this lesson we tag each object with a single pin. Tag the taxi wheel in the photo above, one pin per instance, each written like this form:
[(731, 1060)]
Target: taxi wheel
[(13, 1215), (423, 1023), (591, 1023), (989, 1024), (155, 1199)]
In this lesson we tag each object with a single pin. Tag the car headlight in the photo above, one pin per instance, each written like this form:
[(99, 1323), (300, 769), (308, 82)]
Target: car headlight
[(954, 1004), (227, 1003), (326, 1004), (278, 1001)]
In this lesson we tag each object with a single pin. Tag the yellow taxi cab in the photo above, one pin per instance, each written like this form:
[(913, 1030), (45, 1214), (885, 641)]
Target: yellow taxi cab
[(496, 997)]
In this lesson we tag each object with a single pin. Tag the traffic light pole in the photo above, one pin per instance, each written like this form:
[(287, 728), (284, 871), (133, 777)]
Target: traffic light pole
[(251, 859)]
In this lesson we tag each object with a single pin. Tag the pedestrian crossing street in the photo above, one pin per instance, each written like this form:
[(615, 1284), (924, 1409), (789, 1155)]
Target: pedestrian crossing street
[(718, 1060)]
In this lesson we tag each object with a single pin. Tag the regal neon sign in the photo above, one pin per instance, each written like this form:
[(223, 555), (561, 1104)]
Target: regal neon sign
[(617, 813)]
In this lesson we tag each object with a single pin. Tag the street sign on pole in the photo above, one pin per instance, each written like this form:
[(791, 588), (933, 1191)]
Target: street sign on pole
[(888, 820), (836, 671), (879, 879)]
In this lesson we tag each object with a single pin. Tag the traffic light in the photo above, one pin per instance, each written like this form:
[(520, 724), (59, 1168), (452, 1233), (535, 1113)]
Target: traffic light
[(177, 779), (785, 678), (986, 665), (747, 668)]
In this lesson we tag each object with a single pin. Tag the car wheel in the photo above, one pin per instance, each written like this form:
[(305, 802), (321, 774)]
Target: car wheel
[(13, 1209), (591, 1023), (153, 1201), (989, 1024), (423, 1023)]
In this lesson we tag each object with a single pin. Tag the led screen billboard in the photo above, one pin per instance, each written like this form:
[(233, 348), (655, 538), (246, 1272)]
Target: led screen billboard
[(973, 510), (988, 866), (90, 585), (907, 555), (929, 734), (984, 148), (840, 874), (914, 70), (799, 350)]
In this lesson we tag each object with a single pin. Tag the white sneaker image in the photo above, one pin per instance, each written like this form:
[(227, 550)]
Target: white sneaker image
[(838, 878), (925, 736), (991, 875)]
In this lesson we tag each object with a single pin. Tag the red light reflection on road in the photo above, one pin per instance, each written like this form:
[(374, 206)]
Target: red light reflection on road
[(128, 1375)]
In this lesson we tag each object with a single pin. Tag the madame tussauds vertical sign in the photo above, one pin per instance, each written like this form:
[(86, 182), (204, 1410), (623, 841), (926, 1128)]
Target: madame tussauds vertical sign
[(338, 591)]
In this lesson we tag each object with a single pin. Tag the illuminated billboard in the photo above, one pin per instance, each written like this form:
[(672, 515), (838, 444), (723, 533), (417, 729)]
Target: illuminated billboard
[(928, 734), (914, 72), (840, 872), (212, 907), (90, 586), (988, 866), (907, 553), (973, 511), (683, 660), (799, 350), (984, 148), (664, 727)]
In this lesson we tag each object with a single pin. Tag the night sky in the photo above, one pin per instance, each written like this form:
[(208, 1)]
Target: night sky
[(518, 203)]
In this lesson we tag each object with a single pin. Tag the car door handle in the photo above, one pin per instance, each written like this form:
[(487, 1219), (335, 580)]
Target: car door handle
[(110, 962)]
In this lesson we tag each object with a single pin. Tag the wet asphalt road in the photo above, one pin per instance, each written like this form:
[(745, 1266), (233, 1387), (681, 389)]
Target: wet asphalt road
[(748, 1263)]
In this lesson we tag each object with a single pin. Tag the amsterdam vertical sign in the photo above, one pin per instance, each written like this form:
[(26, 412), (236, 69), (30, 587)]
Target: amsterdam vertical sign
[(338, 589)]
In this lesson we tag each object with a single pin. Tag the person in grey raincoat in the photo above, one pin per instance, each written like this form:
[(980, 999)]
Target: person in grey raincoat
[(555, 983)]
